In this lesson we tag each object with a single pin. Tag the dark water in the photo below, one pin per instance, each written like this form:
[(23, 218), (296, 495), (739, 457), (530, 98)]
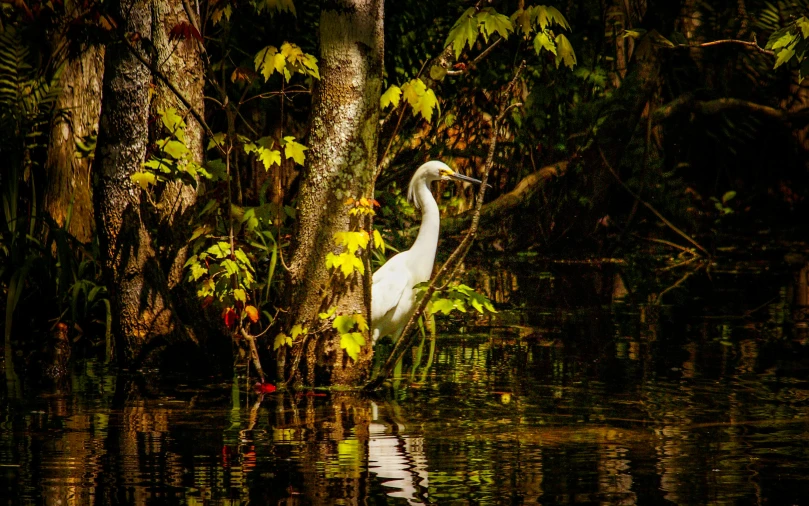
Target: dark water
[(626, 405)]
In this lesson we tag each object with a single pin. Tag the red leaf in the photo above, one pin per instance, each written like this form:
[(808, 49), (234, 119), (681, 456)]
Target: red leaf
[(264, 388), (184, 30), (230, 317)]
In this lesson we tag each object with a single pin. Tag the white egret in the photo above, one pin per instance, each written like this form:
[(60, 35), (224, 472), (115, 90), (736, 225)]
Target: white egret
[(392, 296)]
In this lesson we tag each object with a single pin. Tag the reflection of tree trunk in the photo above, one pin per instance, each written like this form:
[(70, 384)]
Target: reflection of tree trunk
[(138, 285), (78, 106), (336, 452), (340, 164)]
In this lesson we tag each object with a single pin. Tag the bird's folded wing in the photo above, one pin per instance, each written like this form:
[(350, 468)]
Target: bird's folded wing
[(391, 283)]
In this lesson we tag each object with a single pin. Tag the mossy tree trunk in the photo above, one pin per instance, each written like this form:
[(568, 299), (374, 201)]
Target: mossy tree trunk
[(340, 165), (68, 187), (139, 270)]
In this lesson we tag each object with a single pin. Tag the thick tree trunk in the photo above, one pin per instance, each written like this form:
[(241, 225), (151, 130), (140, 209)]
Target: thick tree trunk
[(180, 61), (144, 317), (341, 163), (69, 179)]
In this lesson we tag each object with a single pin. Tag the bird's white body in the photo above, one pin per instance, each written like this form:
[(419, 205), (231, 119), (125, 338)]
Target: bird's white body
[(393, 300)]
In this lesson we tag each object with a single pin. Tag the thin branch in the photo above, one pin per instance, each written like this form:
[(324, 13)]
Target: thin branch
[(679, 282), (197, 116), (745, 43), (650, 207), (486, 52), (687, 102)]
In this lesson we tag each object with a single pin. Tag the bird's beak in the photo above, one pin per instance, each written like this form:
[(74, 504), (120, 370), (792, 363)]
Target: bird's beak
[(461, 177)]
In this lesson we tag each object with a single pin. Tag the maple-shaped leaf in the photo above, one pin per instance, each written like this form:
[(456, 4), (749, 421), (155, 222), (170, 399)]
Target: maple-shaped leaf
[(543, 41), (352, 240), (352, 342), (269, 60), (379, 243), (464, 32), (426, 106), (175, 149), (492, 22), (294, 150), (564, 52), (391, 96), (221, 13), (413, 90), (522, 21), (281, 340), (557, 17), (240, 295), (144, 179), (184, 30)]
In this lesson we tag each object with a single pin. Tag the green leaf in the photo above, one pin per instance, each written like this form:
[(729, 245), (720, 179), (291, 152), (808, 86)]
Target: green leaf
[(491, 22), (352, 343), (784, 56), (784, 41), (565, 52), (437, 73), (557, 17), (344, 323), (521, 19), (327, 314), (464, 32), (240, 295), (144, 179), (266, 155), (171, 120), (543, 41), (294, 150), (219, 250), (175, 149), (728, 196), (197, 271), (445, 306), (391, 96), (281, 340), (803, 24)]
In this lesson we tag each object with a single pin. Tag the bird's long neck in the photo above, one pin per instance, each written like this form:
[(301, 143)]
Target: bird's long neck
[(423, 250)]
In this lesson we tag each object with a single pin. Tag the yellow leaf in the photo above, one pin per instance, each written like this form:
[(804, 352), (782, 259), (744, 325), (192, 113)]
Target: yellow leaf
[(294, 150), (240, 295), (413, 90), (391, 96), (378, 242), (269, 60), (144, 179)]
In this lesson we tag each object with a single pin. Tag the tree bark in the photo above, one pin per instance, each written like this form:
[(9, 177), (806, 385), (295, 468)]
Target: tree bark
[(69, 180), (143, 315), (341, 163)]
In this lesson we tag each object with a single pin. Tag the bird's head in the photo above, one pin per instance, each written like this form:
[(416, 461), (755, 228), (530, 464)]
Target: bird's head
[(434, 171)]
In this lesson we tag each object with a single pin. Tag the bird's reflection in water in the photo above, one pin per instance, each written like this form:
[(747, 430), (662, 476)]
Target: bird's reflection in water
[(397, 458)]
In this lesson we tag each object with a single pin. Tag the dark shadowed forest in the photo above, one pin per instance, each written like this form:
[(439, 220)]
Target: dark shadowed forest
[(200, 190)]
